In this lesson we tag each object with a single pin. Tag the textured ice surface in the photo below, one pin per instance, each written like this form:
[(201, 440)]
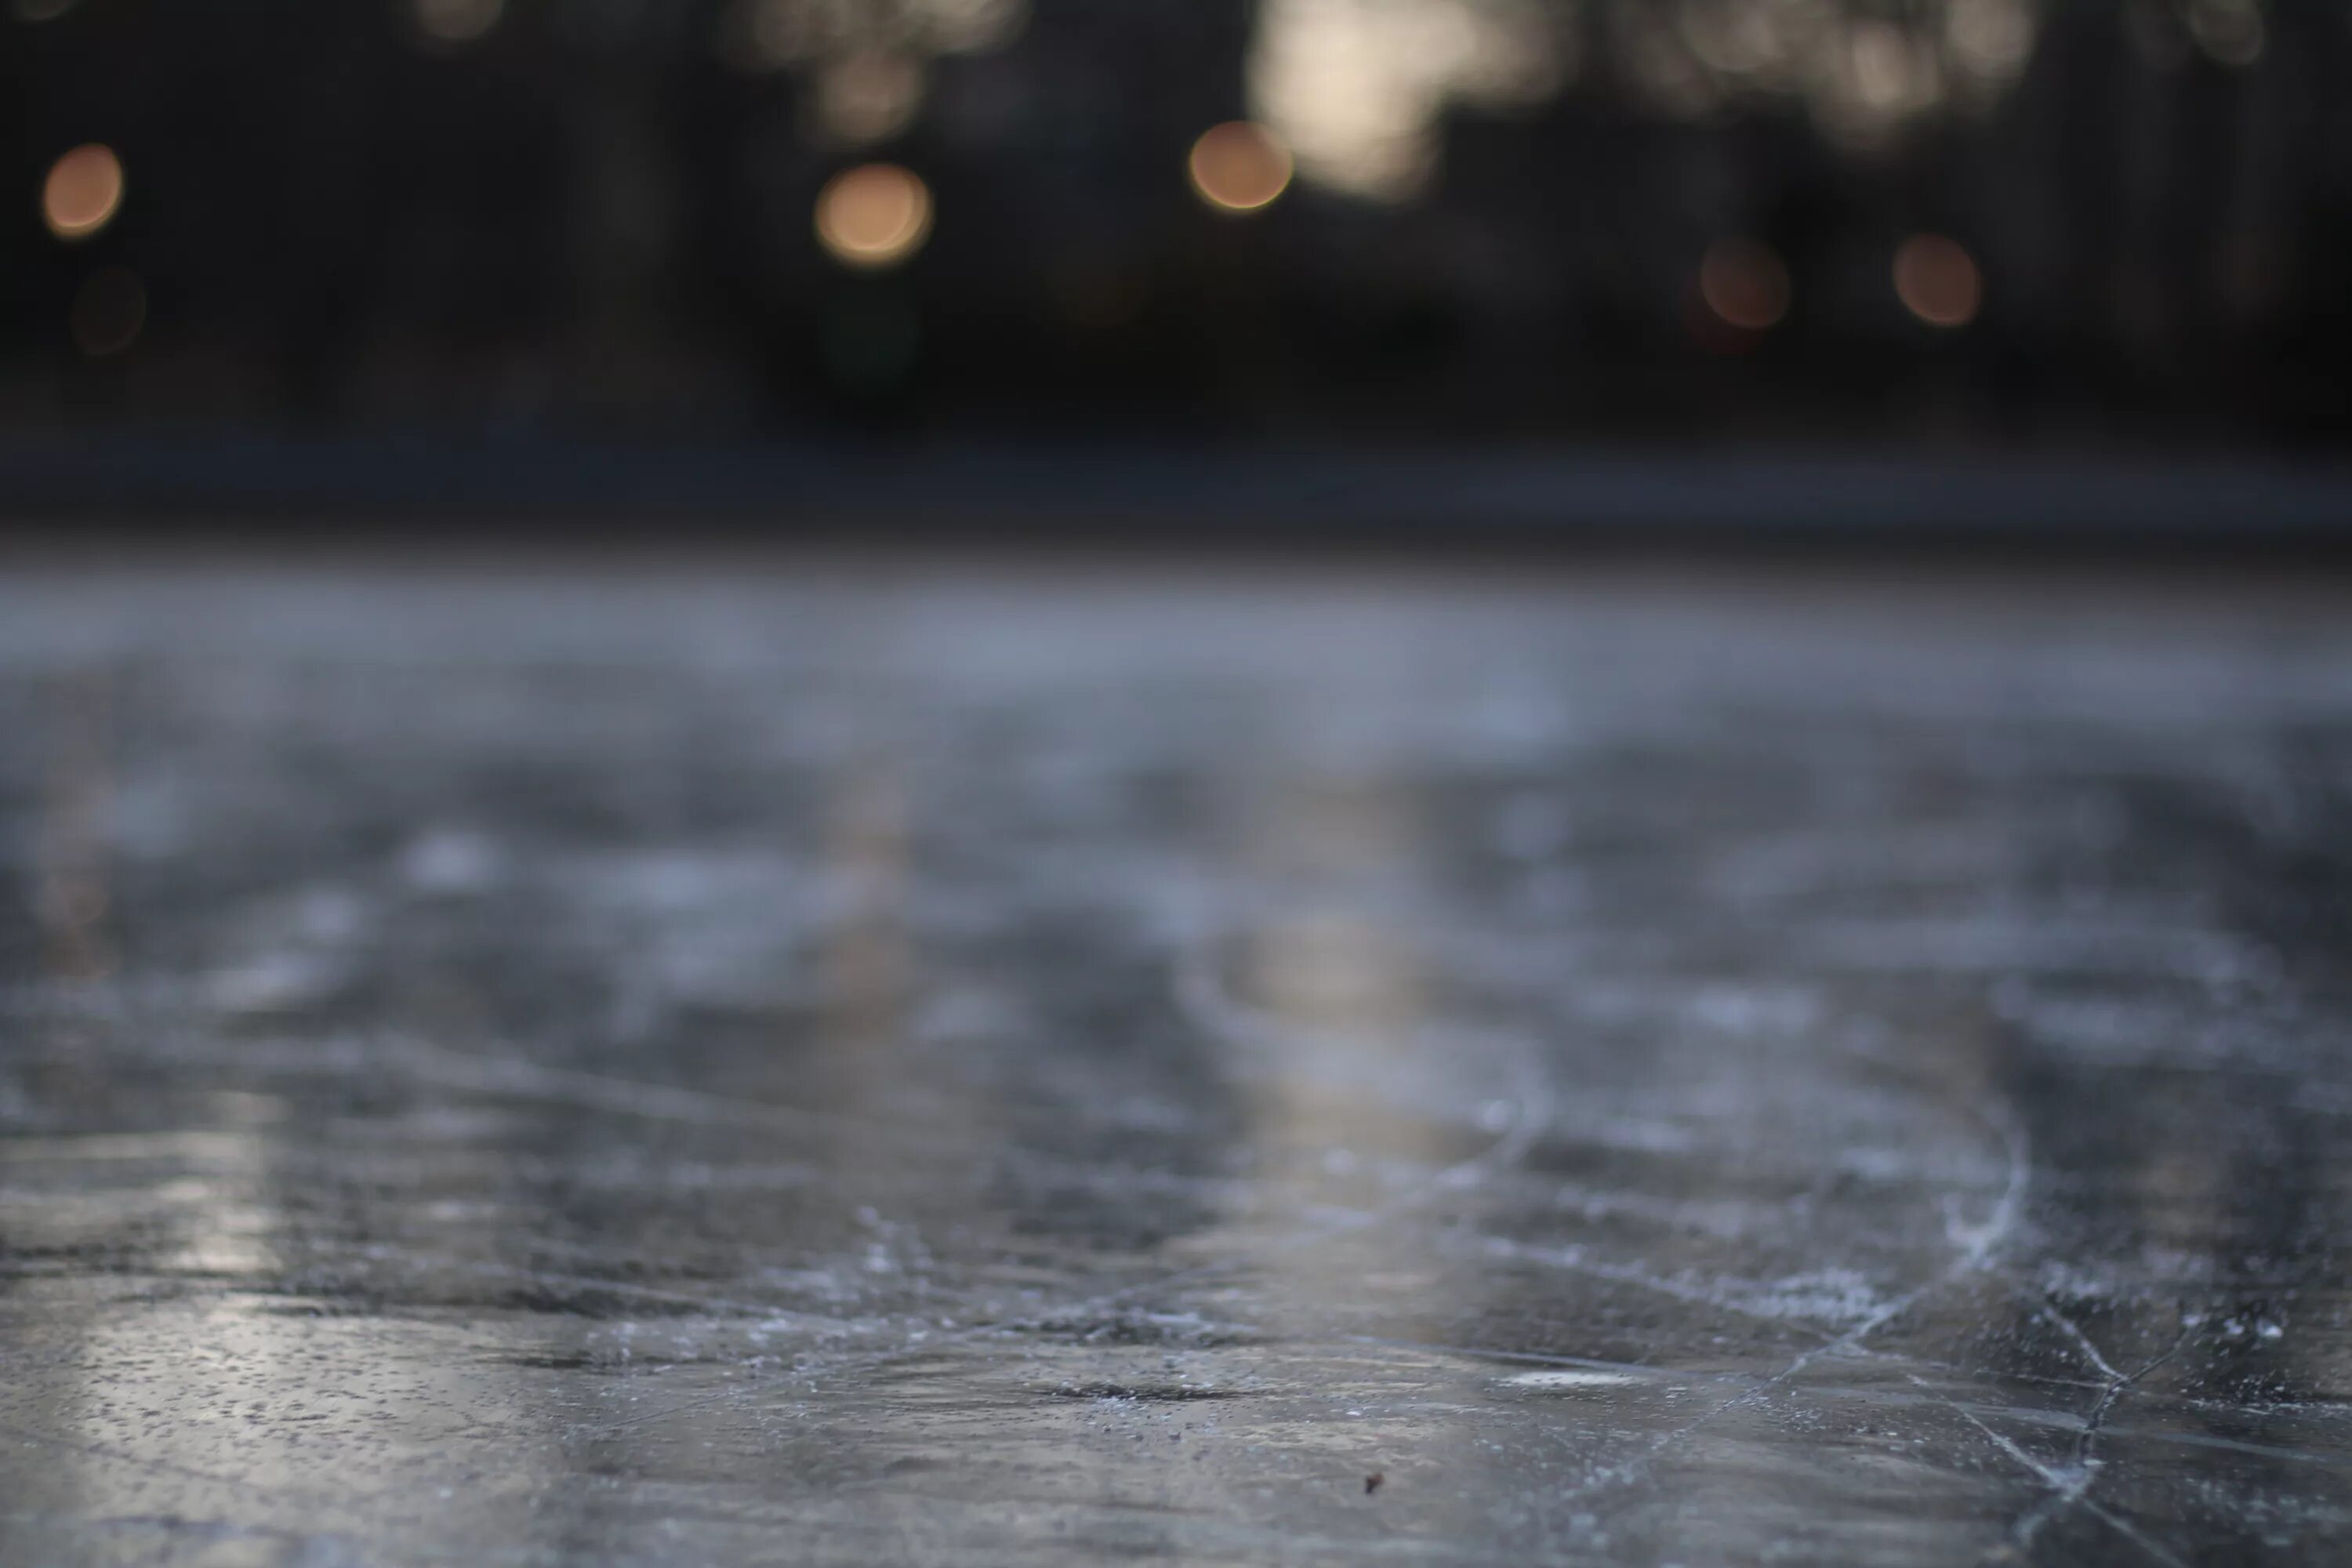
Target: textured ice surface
[(870, 1064)]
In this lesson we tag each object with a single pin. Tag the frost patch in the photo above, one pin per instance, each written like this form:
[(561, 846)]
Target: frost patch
[(1838, 1296), (1557, 1379)]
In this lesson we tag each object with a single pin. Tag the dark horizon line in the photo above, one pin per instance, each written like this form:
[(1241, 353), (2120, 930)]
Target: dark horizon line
[(1828, 495)]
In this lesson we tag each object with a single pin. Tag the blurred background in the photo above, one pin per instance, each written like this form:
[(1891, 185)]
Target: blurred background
[(245, 232)]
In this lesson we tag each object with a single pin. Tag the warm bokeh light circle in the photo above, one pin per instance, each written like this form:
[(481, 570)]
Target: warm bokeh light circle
[(1239, 167), (1938, 280), (1745, 283), (874, 215), (83, 192)]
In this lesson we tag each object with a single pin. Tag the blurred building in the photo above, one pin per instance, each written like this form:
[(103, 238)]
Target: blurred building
[(2010, 223)]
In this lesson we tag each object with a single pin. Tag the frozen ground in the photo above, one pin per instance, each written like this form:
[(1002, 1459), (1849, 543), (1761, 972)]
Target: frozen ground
[(872, 1064)]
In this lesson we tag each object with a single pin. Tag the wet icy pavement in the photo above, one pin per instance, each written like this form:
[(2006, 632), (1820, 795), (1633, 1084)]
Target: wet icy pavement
[(854, 1064)]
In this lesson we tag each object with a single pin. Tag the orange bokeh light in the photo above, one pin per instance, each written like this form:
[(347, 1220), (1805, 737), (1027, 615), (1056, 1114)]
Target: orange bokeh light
[(1239, 167), (1938, 280), (83, 192), (1745, 283), (874, 215)]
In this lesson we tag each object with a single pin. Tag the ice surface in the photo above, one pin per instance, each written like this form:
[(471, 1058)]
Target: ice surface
[(872, 1063)]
